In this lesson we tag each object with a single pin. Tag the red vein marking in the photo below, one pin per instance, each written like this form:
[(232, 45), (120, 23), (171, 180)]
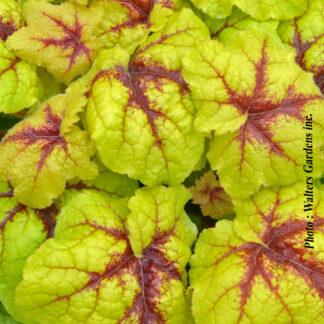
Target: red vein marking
[(227, 25)]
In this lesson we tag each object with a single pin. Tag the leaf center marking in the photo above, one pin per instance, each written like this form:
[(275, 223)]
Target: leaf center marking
[(6, 29), (71, 40), (47, 136), (151, 272)]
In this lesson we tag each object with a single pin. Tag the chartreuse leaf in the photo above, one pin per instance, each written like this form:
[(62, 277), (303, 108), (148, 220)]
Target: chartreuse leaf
[(152, 216), (45, 150), (140, 113), (58, 37), (10, 18), (18, 82), (256, 268), (96, 271), (127, 23), (22, 230), (258, 9), (306, 35), (256, 112), (209, 194)]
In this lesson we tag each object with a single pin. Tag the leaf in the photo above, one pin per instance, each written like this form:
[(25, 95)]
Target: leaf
[(58, 37), (10, 18), (128, 23), (18, 83), (306, 35), (140, 113), (256, 268), (89, 272), (5, 318), (256, 112), (42, 152), (22, 230), (211, 197), (258, 9)]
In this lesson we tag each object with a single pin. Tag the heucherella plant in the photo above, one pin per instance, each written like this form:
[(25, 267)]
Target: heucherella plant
[(105, 265), (306, 35), (127, 127), (256, 269), (22, 230), (255, 111), (58, 37), (140, 113), (258, 9), (45, 150), (127, 23)]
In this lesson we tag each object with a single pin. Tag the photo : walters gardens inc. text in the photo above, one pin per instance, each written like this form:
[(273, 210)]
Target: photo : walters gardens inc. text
[(309, 190)]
